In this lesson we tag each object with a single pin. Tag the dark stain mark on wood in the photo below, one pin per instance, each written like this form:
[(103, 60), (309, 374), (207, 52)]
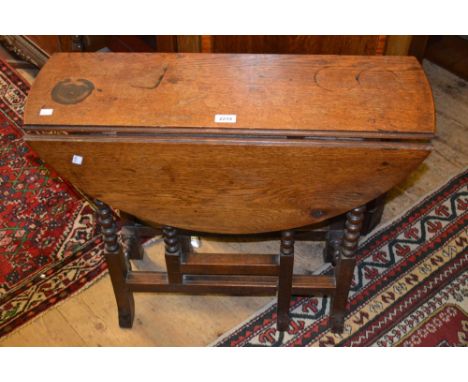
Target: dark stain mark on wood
[(71, 91)]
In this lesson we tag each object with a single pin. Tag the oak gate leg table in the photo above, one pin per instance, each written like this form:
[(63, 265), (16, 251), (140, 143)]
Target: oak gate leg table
[(230, 144)]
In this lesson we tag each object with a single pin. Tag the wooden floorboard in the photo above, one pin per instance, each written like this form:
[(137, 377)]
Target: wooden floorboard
[(90, 319)]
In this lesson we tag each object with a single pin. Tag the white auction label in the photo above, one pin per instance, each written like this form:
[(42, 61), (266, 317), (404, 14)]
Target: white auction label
[(46, 112), (77, 159), (225, 118)]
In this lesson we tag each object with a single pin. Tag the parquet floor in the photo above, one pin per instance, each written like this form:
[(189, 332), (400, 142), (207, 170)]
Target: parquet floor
[(90, 319)]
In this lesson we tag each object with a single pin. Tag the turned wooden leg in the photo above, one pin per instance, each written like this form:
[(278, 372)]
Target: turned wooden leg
[(285, 279), (173, 253), (345, 267), (118, 265)]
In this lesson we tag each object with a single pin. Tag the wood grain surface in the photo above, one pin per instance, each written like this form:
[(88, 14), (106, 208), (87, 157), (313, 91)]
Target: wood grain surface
[(282, 93), (237, 186)]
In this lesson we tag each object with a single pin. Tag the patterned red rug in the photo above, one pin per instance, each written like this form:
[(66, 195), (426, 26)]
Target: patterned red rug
[(49, 247), (410, 286)]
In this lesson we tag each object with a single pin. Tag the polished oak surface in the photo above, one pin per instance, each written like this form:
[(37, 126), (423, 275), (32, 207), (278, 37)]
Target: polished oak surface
[(315, 136), (242, 186), (269, 94)]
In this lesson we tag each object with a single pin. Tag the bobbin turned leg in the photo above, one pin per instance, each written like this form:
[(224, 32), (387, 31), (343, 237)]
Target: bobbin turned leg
[(118, 266), (345, 267), (285, 279)]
